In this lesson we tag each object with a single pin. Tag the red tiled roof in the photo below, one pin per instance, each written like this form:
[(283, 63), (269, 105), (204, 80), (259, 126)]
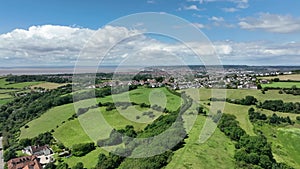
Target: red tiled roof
[(27, 162)]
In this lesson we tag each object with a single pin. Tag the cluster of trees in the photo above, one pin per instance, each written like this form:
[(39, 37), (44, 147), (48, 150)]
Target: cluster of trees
[(143, 77), (279, 105), (23, 109), (36, 78), (274, 119), (40, 140), (82, 149), (252, 151), (111, 161), (254, 116), (200, 110), (248, 100), (294, 90)]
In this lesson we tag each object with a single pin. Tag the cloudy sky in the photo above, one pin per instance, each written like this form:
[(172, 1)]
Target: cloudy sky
[(55, 33)]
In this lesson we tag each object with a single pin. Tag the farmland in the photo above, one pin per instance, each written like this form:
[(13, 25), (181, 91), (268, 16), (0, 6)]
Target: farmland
[(293, 77), (48, 85), (282, 84), (8, 89), (217, 151)]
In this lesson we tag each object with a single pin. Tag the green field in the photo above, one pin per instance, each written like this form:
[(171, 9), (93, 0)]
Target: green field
[(48, 121), (48, 85), (285, 143), (5, 84), (205, 94), (216, 152), (282, 84), (89, 160), (71, 133)]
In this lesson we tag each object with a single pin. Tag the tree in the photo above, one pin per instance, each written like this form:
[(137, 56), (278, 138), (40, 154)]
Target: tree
[(265, 162), (78, 166), (82, 149), (62, 166), (50, 166), (9, 154), (259, 86)]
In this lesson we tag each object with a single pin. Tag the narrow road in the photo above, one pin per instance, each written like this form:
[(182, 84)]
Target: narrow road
[(1, 155)]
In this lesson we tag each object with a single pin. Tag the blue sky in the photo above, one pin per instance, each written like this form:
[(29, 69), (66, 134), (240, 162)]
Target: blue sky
[(254, 30)]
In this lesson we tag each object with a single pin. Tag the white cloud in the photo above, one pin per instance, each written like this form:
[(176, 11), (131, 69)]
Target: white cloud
[(261, 53), (271, 23), (192, 7), (230, 9), (52, 44), (60, 45), (217, 19)]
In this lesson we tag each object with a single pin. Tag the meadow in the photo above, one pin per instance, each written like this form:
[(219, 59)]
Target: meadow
[(282, 84), (285, 143), (8, 89), (48, 85), (216, 152)]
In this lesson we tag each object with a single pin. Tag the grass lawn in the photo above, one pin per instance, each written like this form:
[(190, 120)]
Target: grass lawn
[(205, 94), (3, 101), (89, 161), (5, 84), (158, 96), (48, 85), (71, 133), (5, 96), (216, 152), (282, 84), (285, 143), (48, 121), (290, 139)]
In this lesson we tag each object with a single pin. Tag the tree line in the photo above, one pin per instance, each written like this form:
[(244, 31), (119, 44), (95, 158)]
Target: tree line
[(251, 151)]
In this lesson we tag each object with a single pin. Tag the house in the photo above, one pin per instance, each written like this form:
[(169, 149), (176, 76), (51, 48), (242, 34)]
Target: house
[(43, 153), (27, 162), (37, 150)]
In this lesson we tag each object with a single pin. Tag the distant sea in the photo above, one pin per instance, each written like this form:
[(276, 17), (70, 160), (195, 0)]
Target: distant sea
[(60, 70)]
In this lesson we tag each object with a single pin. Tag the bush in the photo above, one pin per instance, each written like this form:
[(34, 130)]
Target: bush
[(82, 149)]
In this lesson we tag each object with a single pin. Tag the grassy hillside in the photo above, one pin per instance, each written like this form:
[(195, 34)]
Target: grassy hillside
[(49, 120), (285, 143), (97, 122), (205, 94), (217, 152)]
